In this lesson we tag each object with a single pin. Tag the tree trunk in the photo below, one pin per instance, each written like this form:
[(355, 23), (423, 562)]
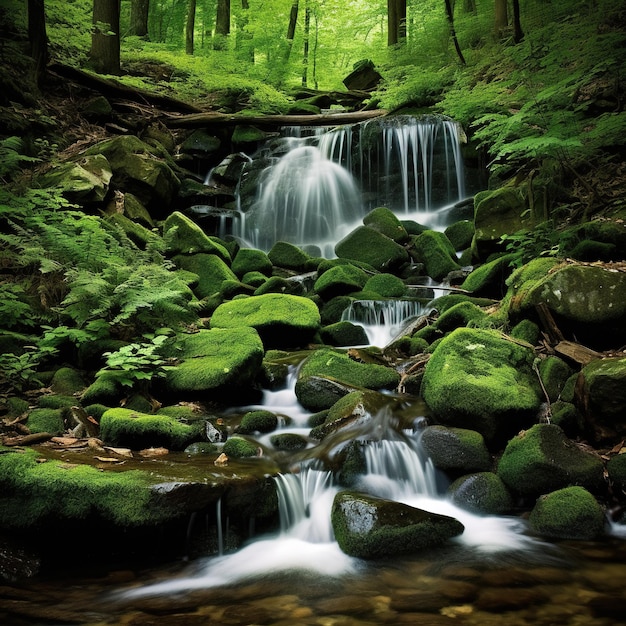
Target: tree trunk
[(105, 38), (305, 56), (518, 33), (291, 29), (396, 21), (501, 17), (243, 45), (457, 47), (190, 26), (37, 36), (139, 10), (222, 24)]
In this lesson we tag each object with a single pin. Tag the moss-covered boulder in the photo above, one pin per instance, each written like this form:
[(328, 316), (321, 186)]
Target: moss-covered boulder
[(288, 442), (456, 450), (483, 493), (616, 468), (105, 389), (46, 420), (67, 381), (286, 255), (459, 315), (338, 367), (542, 459), (282, 320), (130, 429), (601, 397), (434, 250), (569, 513), (215, 361), (554, 373), (250, 260), (260, 421), (137, 233), (489, 280), (460, 234), (340, 280), (367, 245), (344, 334), (183, 236), (481, 380), (239, 448), (386, 285), (384, 221), (369, 528)]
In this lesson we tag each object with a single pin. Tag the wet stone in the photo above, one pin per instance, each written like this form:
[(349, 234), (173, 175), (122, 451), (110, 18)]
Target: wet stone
[(418, 601), (509, 598)]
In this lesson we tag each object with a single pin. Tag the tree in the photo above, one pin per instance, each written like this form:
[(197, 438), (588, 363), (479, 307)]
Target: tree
[(222, 24), (396, 21), (105, 37), (501, 17), (291, 28), (307, 31), (37, 36), (518, 33), (457, 47), (245, 51), (139, 10), (190, 26)]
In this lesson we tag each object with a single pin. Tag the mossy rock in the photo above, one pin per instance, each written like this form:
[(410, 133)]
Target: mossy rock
[(384, 221), (288, 256), (482, 493), (277, 284), (255, 280), (251, 260), (554, 374), (370, 528), (386, 286), (212, 271), (246, 134), (238, 448), (201, 144), (340, 280), (67, 381), (481, 380), (282, 320), (332, 311), (138, 234), (201, 448), (230, 289), (260, 421), (215, 361), (46, 421), (338, 367), (105, 389), (344, 334), (527, 331), (183, 236), (616, 468), (434, 250), (275, 369), (131, 429), (460, 234), (367, 245), (569, 513), (460, 315), (443, 303), (542, 459), (489, 280), (288, 442), (56, 401), (456, 450), (567, 416)]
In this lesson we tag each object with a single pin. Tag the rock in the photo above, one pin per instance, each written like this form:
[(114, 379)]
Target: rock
[(138, 234), (97, 109), (384, 221), (554, 373), (367, 245), (211, 270), (480, 380), (460, 234), (542, 459), (130, 429), (601, 396), (216, 361), (363, 77), (238, 447), (569, 513), (249, 260), (183, 236), (200, 144), (46, 421), (260, 421), (460, 315), (340, 280), (283, 321), (456, 449), (344, 334), (483, 493), (489, 280), (367, 527), (616, 468), (435, 251), (67, 381), (386, 286), (288, 442), (288, 256), (338, 367)]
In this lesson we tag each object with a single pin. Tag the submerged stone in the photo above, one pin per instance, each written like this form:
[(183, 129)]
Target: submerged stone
[(368, 527)]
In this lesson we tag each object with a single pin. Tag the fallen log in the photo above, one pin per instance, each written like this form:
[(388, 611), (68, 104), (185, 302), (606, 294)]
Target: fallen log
[(196, 120), (576, 352)]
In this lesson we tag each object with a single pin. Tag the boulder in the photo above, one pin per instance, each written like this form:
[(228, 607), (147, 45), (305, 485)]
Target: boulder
[(340, 280), (385, 221), (459, 315), (338, 367), (286, 255), (183, 236), (385, 285), (363, 76), (483, 493), (456, 449), (569, 513), (283, 321), (369, 528), (210, 269), (250, 260), (259, 421), (366, 245), (601, 396), (616, 468), (344, 334), (489, 280), (460, 234), (481, 380), (435, 251), (215, 361), (200, 144), (239, 447), (542, 459)]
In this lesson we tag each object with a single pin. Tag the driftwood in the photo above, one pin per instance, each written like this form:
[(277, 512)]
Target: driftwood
[(325, 119), (26, 440), (577, 352)]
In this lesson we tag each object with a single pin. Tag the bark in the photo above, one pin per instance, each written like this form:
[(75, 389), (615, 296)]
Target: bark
[(518, 33), (291, 28), (457, 47), (190, 26), (305, 56), (396, 21), (222, 24), (37, 36), (501, 17), (139, 10), (105, 39)]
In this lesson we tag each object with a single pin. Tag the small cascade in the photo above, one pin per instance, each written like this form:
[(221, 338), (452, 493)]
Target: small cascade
[(382, 319)]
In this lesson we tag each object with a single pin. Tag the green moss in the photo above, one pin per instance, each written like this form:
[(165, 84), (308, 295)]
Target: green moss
[(230, 289), (385, 222), (527, 331), (183, 236), (16, 406), (344, 334), (569, 513), (340, 280), (386, 286), (258, 421), (460, 234), (130, 429), (54, 401), (251, 260), (568, 418), (332, 311), (105, 389), (435, 251), (46, 421), (461, 314), (554, 373), (444, 303), (489, 280), (483, 493), (456, 449), (616, 468), (275, 284), (254, 279), (238, 447), (288, 256), (67, 381), (366, 245), (288, 442), (212, 271)]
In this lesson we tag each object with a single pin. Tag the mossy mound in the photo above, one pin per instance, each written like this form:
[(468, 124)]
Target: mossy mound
[(288, 442), (260, 421), (616, 468), (183, 236), (460, 234), (338, 367), (386, 286), (483, 493), (489, 280), (384, 221), (282, 320), (542, 459), (367, 245), (340, 280), (569, 513), (456, 449), (239, 448), (251, 260), (435, 251), (211, 270), (105, 389), (368, 528), (344, 334), (130, 429), (460, 315), (46, 421), (554, 373), (480, 380), (216, 361), (67, 381), (288, 256)]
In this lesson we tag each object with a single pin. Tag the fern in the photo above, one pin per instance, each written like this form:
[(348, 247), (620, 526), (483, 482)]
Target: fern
[(11, 157)]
